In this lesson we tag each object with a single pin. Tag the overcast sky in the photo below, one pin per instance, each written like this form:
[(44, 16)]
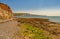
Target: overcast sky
[(39, 7)]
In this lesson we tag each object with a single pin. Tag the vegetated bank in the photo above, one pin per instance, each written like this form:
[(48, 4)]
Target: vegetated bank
[(50, 29)]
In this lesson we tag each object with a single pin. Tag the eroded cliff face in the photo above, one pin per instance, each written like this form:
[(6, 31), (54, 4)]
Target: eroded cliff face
[(5, 11), (8, 27)]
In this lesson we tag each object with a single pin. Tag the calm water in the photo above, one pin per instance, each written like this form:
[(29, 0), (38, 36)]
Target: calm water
[(52, 18)]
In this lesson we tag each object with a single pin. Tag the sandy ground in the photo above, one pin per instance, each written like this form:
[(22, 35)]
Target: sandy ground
[(9, 29)]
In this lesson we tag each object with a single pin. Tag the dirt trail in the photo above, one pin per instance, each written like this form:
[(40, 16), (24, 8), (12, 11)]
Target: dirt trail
[(9, 30)]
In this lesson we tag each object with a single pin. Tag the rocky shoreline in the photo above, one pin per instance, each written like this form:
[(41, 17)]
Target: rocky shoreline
[(52, 27)]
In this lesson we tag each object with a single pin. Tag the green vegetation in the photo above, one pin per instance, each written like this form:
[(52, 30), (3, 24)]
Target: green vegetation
[(30, 32)]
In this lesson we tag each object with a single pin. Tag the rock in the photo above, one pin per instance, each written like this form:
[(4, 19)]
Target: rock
[(5, 12)]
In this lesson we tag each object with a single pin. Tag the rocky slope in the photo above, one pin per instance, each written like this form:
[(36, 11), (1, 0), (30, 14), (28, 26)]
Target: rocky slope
[(5, 11)]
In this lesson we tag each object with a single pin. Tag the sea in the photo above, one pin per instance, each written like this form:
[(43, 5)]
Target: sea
[(51, 18)]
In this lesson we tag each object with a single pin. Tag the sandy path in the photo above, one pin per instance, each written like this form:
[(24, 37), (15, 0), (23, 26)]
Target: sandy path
[(8, 29)]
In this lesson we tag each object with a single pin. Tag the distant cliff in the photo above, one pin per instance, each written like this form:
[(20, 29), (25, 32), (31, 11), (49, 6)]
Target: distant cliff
[(5, 11), (28, 15)]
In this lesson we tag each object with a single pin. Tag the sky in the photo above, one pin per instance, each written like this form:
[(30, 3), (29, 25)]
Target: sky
[(39, 7)]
